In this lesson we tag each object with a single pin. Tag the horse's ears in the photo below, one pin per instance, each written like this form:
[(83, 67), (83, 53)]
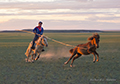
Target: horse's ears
[(44, 37), (90, 38), (95, 34)]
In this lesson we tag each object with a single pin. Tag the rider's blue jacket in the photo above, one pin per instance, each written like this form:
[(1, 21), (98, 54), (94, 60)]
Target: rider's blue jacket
[(36, 30)]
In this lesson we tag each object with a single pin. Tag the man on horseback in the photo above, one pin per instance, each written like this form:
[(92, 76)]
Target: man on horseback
[(38, 31)]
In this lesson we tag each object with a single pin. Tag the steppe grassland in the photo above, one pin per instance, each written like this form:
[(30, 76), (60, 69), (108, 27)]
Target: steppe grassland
[(49, 68)]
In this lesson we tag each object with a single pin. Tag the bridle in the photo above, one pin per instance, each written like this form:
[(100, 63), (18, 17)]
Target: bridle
[(41, 42), (95, 42)]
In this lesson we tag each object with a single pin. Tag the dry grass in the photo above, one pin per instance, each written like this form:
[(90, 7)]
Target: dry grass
[(14, 69)]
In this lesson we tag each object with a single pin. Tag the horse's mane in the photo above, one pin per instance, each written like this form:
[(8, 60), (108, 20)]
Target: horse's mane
[(90, 38), (94, 36), (43, 36)]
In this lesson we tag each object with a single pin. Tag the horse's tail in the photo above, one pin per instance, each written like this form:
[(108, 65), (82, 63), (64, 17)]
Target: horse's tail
[(28, 49), (71, 50)]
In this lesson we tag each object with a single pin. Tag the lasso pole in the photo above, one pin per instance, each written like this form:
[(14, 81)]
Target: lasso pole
[(52, 39)]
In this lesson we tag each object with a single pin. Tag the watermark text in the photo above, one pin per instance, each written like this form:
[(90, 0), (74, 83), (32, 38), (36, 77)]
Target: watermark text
[(102, 79)]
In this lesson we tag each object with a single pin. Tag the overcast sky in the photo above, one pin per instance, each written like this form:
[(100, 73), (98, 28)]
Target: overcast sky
[(60, 14)]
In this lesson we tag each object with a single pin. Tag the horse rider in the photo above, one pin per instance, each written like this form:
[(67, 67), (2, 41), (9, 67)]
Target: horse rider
[(38, 31)]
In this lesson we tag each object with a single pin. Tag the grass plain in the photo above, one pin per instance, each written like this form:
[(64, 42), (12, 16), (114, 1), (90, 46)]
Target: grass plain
[(49, 68)]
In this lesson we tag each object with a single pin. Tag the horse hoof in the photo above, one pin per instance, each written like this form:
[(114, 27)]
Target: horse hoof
[(32, 61), (26, 59), (97, 60), (93, 61), (65, 63), (36, 59), (71, 65)]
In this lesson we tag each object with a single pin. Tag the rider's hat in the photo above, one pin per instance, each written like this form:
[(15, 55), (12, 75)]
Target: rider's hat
[(40, 22)]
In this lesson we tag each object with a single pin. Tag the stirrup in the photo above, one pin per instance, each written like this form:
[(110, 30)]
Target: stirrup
[(32, 47), (43, 50)]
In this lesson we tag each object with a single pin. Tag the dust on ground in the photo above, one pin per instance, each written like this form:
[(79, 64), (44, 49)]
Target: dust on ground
[(56, 53)]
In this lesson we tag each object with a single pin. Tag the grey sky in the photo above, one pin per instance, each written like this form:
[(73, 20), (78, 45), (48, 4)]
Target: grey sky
[(60, 14)]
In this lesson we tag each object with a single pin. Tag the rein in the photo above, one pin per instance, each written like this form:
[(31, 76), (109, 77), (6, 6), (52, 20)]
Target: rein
[(41, 42)]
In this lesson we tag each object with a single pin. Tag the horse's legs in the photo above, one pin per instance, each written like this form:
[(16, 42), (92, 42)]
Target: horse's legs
[(29, 55), (78, 55), (70, 58), (37, 56), (33, 57), (97, 56), (94, 58), (28, 58)]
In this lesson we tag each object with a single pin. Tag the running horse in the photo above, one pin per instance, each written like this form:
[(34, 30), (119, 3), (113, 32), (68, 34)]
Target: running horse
[(40, 43), (85, 49)]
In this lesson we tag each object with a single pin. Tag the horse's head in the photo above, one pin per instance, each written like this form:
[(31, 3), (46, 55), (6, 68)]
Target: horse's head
[(95, 40), (43, 41)]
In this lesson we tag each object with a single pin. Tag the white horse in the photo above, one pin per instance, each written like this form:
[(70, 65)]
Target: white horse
[(40, 43)]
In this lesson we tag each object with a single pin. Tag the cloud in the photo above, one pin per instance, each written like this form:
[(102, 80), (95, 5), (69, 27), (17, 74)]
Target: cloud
[(17, 24), (61, 4), (9, 1), (66, 17), (60, 14), (74, 12)]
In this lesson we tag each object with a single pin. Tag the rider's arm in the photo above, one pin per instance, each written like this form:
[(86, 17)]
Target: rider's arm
[(41, 31), (34, 30)]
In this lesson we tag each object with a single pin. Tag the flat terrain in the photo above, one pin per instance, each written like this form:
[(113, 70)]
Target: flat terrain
[(49, 68)]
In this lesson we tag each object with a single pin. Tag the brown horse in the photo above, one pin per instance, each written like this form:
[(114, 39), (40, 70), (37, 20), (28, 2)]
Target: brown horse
[(86, 49)]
